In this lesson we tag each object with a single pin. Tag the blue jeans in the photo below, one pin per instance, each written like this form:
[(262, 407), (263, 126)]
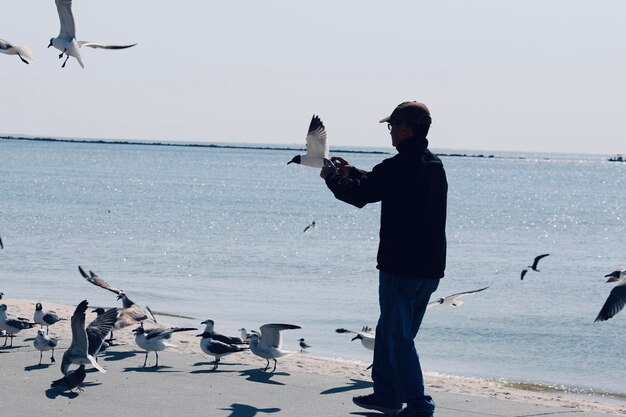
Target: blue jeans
[(396, 371)]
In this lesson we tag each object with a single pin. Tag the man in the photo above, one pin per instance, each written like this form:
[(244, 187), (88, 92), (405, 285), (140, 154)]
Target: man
[(412, 189)]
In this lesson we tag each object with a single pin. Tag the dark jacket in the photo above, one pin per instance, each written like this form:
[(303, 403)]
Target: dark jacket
[(413, 189)]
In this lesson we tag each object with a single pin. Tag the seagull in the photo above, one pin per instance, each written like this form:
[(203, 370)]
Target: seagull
[(268, 343), (23, 52), (366, 336), (245, 336), (130, 313), (453, 300), (1, 247), (312, 225), (77, 353), (44, 343), (43, 318), (72, 379), (153, 340), (212, 346), (533, 267), (316, 146), (12, 325), (617, 297), (66, 41), (98, 329), (210, 328), (303, 344)]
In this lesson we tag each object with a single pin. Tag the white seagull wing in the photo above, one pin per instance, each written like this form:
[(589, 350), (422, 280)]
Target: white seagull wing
[(454, 298), (270, 334), (97, 45), (68, 29), (316, 145)]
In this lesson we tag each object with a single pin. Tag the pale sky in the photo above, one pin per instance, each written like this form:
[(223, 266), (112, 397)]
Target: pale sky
[(533, 75)]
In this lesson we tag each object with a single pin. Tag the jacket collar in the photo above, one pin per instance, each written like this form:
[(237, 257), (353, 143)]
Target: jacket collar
[(413, 144)]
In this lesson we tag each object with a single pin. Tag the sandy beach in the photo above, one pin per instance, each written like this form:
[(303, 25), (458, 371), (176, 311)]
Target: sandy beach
[(187, 344)]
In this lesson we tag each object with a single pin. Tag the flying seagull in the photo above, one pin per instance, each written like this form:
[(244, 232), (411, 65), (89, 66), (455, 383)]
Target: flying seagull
[(617, 297), (268, 343), (366, 336), (45, 318), (311, 226), (303, 344), (130, 313), (12, 325), (216, 348), (453, 300), (153, 340), (44, 343), (66, 40), (533, 267), (316, 146), (23, 52), (72, 379)]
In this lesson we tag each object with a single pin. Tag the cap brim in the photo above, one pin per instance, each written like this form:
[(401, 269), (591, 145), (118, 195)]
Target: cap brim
[(385, 120)]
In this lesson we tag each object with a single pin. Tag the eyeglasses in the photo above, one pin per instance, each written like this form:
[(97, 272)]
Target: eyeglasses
[(389, 126)]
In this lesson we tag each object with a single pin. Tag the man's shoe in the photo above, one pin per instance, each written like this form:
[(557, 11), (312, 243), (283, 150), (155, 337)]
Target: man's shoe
[(370, 402), (407, 413)]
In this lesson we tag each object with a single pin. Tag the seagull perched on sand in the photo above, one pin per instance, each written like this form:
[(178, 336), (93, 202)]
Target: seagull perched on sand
[(245, 336), (533, 267), (66, 40), (366, 336), (44, 343), (303, 344), (316, 146), (210, 328), (153, 340), (23, 52), (12, 325), (77, 353), (617, 298), (72, 379), (130, 313), (45, 318), (453, 300), (216, 348), (268, 343)]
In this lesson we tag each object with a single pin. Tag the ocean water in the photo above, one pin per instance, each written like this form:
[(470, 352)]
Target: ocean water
[(218, 233)]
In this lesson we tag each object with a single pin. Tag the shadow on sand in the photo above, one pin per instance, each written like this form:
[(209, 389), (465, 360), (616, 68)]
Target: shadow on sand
[(354, 384), (53, 393), (245, 410), (33, 367), (256, 375)]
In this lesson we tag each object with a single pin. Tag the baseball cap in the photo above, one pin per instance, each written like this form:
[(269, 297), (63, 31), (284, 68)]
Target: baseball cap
[(410, 112)]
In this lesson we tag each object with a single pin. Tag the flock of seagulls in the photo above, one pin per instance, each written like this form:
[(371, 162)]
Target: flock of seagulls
[(65, 42), (88, 340)]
